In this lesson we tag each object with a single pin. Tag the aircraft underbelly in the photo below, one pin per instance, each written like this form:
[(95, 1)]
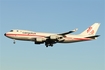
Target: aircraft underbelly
[(71, 40)]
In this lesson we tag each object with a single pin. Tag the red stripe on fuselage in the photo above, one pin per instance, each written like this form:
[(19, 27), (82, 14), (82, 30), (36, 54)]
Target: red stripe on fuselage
[(82, 39), (24, 35), (45, 36)]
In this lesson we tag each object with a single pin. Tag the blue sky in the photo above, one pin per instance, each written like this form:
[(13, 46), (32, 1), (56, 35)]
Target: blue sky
[(52, 16)]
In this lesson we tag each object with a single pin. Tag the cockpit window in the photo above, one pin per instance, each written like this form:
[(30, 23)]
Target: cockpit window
[(11, 31)]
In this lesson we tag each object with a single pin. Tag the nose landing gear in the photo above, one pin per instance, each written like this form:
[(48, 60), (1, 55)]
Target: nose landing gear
[(14, 41)]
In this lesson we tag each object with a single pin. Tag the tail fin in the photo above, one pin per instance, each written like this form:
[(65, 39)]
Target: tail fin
[(91, 30)]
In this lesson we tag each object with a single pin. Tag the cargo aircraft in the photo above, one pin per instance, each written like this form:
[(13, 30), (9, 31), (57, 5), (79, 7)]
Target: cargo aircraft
[(52, 38)]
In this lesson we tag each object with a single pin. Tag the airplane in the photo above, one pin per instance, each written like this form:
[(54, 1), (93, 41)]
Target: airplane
[(49, 39)]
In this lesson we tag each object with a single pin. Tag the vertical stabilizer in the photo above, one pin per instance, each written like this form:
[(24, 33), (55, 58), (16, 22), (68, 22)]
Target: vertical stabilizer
[(91, 30)]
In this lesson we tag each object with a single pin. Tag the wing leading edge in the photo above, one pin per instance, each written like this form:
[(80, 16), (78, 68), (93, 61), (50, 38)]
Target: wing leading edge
[(69, 32)]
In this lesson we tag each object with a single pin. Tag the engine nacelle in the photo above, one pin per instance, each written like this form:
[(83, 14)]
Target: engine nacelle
[(58, 38), (53, 37), (39, 40)]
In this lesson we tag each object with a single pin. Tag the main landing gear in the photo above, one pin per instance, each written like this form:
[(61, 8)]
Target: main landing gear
[(48, 44)]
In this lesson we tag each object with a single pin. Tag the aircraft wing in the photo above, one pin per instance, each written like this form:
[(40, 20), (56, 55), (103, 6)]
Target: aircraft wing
[(52, 39), (68, 32)]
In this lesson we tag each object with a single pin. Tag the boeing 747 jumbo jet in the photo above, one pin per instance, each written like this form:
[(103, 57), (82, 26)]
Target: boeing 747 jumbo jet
[(51, 38)]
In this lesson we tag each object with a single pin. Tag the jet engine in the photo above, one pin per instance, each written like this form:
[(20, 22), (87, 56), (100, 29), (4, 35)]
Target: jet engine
[(58, 38), (39, 40), (53, 37)]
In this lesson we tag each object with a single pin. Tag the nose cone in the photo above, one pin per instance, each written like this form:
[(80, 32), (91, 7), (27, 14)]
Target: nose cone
[(5, 34)]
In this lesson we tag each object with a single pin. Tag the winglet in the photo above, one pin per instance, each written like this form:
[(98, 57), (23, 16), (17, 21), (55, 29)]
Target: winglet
[(75, 30)]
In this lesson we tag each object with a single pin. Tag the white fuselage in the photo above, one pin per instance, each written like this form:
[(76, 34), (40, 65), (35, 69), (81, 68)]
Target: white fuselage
[(29, 35), (52, 38)]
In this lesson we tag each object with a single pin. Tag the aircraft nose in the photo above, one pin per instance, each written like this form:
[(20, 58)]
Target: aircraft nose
[(5, 34)]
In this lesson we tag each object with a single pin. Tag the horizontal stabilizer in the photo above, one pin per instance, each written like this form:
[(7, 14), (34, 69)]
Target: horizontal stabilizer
[(93, 37)]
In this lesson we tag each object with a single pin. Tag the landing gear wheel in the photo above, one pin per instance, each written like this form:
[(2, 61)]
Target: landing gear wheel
[(46, 45), (51, 45), (14, 42)]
